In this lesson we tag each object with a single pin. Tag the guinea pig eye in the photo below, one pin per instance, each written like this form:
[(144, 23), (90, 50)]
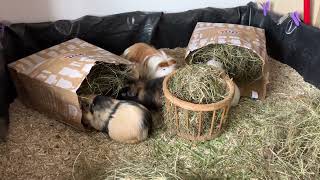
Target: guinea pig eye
[(131, 94), (163, 69)]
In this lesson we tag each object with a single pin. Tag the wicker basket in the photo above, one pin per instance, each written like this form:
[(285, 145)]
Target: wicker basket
[(180, 114)]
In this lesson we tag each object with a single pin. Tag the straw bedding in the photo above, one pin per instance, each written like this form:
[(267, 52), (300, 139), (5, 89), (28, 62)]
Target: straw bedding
[(276, 138)]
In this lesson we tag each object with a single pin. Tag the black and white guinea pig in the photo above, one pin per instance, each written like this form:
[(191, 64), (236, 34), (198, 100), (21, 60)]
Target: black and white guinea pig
[(146, 92), (124, 121)]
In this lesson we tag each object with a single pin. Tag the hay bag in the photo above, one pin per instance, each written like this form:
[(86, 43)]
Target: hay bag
[(197, 101)]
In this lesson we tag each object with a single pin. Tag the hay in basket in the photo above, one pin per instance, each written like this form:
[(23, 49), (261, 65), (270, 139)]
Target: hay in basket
[(197, 101), (241, 64), (105, 79)]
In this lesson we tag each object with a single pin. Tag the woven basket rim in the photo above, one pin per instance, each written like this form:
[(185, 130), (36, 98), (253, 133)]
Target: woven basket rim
[(199, 107)]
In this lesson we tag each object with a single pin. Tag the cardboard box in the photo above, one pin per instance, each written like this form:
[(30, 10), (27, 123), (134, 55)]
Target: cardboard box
[(238, 35), (48, 80)]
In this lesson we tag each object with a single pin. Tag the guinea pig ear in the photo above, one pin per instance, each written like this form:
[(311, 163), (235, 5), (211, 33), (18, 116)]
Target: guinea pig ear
[(163, 53), (85, 106), (171, 62), (163, 64)]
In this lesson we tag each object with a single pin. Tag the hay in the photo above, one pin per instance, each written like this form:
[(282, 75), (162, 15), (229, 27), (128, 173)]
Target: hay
[(278, 138), (242, 64), (105, 79), (199, 84)]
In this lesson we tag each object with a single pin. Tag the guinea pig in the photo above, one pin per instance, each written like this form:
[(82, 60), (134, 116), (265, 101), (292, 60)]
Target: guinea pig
[(151, 63), (146, 92), (123, 121), (215, 63), (236, 96)]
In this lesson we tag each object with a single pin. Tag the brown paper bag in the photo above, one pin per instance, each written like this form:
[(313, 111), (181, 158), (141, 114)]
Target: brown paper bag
[(47, 81), (238, 35)]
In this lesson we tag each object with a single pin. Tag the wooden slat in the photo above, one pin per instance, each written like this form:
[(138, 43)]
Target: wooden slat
[(187, 118), (200, 124), (212, 122), (222, 117), (176, 115)]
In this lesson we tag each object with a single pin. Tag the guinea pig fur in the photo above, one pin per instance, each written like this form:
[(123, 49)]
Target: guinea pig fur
[(236, 96), (146, 92), (152, 63), (124, 121), (215, 63)]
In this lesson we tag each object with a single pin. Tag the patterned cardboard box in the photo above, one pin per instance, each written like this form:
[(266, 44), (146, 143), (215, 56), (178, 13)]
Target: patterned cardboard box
[(48, 80), (238, 35)]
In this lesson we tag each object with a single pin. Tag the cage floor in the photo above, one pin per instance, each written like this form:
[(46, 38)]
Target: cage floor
[(42, 148)]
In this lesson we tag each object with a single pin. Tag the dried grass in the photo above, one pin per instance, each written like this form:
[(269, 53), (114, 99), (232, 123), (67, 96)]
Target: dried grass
[(274, 139), (242, 64), (199, 84), (105, 79)]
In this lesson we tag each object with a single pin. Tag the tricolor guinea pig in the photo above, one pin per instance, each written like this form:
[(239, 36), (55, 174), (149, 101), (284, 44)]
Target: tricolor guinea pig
[(150, 62), (146, 92), (123, 121)]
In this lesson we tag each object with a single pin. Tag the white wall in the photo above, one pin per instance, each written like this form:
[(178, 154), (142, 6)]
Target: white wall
[(49, 10)]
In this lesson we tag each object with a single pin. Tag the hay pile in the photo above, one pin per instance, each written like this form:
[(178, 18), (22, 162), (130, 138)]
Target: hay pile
[(105, 79), (199, 84), (242, 64), (278, 138)]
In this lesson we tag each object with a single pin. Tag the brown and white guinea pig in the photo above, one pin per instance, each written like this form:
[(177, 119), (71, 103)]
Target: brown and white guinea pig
[(124, 121), (146, 92), (236, 96), (150, 62)]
